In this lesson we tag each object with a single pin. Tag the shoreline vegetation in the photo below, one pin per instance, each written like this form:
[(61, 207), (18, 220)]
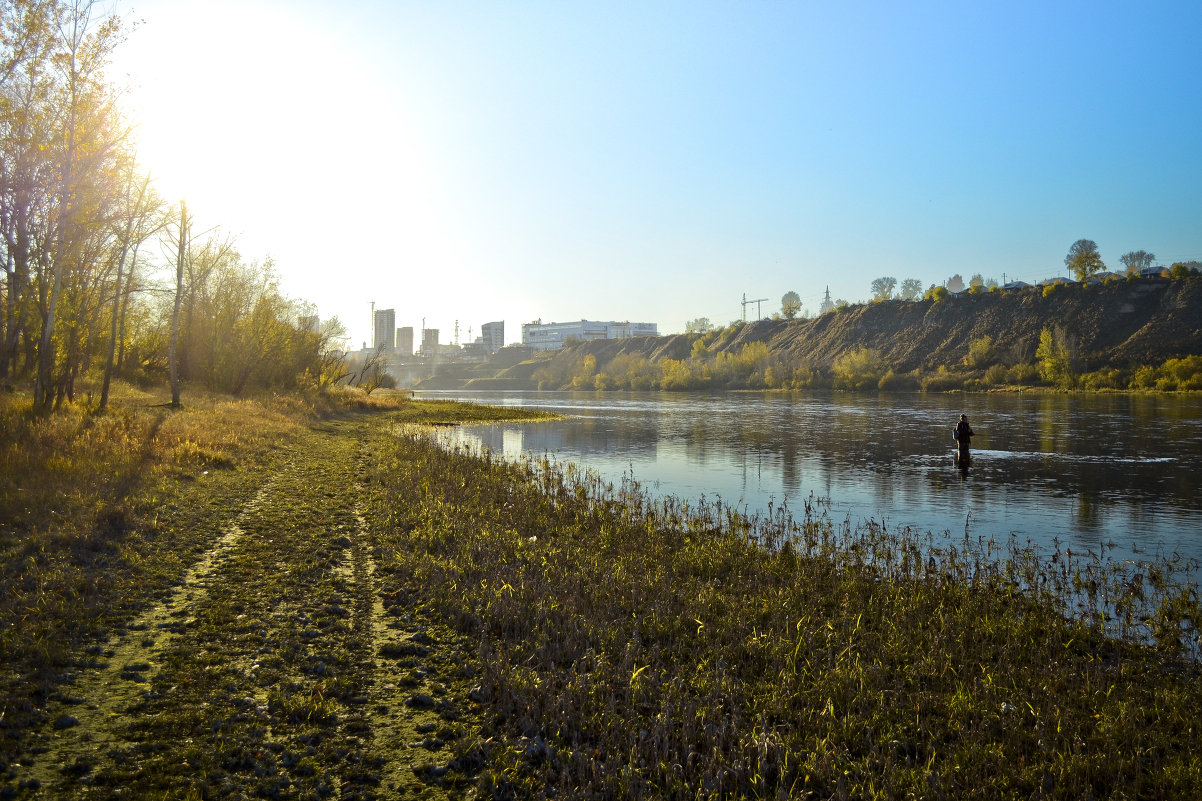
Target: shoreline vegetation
[(1138, 334), (563, 637), (755, 367)]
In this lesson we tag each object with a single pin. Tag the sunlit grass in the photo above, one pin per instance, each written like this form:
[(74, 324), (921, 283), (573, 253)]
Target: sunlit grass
[(628, 647), (100, 513), (665, 650)]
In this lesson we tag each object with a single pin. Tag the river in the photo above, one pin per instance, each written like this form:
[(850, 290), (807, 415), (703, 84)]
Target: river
[(1119, 471)]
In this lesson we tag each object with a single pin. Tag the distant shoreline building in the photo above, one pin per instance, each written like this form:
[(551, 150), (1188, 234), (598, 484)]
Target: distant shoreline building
[(384, 337), (429, 342), (493, 336), (404, 341), (552, 336)]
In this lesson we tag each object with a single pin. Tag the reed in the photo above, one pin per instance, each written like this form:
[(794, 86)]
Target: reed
[(643, 648)]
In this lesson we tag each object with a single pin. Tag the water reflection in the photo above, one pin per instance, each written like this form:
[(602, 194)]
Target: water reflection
[(1086, 470)]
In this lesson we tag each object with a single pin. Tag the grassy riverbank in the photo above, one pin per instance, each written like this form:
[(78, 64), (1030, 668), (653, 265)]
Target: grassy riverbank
[(292, 598), (129, 588), (639, 650)]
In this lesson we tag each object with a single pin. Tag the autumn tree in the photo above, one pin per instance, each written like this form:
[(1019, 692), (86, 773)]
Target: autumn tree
[(955, 284), (790, 305), (88, 133), (61, 141), (1083, 259), (1057, 356)]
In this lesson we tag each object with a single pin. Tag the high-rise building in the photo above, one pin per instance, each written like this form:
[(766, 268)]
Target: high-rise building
[(384, 337), (404, 340), (493, 335), (429, 341)]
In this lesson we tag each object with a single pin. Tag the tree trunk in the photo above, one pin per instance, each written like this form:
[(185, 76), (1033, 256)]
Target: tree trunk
[(129, 290), (173, 368), (117, 305)]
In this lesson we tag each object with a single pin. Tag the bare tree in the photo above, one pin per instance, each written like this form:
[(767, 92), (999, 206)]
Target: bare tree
[(882, 288), (370, 372), (911, 289), (1136, 261)]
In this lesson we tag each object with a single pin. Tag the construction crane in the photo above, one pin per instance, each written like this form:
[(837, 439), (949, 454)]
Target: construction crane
[(747, 303)]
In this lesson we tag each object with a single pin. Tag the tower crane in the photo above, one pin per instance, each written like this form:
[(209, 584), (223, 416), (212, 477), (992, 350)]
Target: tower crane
[(747, 303)]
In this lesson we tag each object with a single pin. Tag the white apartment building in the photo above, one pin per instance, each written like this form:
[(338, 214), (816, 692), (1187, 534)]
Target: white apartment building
[(552, 336)]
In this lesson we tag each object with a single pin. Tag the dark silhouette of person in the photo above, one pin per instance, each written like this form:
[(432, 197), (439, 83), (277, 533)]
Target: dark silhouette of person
[(963, 437)]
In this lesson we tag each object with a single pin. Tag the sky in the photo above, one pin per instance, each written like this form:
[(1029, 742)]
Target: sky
[(661, 161)]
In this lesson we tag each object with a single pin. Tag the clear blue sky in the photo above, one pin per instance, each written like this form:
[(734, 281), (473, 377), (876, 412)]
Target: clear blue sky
[(654, 161)]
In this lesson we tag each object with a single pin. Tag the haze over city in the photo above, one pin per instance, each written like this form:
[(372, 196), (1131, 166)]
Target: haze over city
[(656, 161)]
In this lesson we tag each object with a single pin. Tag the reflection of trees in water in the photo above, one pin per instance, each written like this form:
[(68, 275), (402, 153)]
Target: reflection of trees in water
[(1071, 461), (1088, 512)]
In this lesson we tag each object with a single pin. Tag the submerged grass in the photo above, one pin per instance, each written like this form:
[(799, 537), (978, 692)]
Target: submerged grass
[(636, 648)]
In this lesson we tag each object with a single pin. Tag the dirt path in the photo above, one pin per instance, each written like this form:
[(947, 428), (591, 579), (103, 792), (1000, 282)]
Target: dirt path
[(284, 666)]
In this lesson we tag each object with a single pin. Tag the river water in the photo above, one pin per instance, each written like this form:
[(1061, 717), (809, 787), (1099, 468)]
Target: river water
[(1120, 471)]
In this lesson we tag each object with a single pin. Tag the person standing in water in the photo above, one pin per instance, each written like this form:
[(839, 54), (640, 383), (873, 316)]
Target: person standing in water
[(963, 434)]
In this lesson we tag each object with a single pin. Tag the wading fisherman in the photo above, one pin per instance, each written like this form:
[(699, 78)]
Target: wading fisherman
[(962, 433)]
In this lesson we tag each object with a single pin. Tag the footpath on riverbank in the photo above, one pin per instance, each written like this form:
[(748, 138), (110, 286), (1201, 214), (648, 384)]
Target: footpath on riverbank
[(340, 609), (281, 665)]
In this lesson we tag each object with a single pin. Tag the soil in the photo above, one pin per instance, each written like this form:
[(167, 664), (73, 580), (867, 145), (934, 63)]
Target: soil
[(1122, 324), (289, 663)]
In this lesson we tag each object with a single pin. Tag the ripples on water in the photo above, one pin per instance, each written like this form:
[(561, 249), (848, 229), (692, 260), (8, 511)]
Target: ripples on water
[(1086, 471)]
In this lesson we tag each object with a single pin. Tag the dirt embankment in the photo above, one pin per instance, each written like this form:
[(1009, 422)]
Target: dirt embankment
[(1122, 324)]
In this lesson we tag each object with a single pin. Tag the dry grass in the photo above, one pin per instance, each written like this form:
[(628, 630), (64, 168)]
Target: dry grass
[(637, 649)]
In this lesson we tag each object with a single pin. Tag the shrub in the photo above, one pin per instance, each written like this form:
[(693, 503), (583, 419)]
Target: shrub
[(605, 381), (1103, 379), (1144, 378), (937, 293), (897, 382), (858, 369), (996, 374), (980, 352), (807, 377), (942, 380)]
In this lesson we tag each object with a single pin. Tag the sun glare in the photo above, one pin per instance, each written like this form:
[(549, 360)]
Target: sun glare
[(220, 97)]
